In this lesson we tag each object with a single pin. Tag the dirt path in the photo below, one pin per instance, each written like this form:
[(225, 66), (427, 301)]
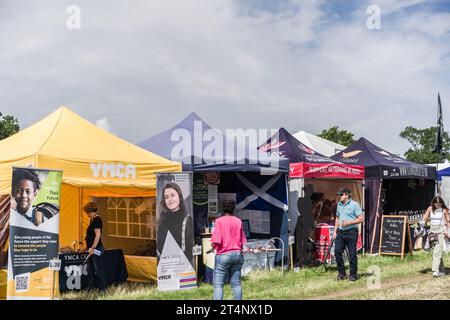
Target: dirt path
[(387, 284)]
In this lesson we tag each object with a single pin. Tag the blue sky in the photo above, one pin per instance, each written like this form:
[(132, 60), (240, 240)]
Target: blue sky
[(137, 69)]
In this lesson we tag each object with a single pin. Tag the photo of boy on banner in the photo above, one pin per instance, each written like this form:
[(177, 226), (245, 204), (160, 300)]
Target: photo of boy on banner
[(33, 233), (25, 187)]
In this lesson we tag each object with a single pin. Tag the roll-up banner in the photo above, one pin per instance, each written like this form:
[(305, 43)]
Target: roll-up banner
[(33, 233), (175, 234)]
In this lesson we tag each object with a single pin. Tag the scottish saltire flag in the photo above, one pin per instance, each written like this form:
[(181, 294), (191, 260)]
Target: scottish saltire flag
[(261, 192)]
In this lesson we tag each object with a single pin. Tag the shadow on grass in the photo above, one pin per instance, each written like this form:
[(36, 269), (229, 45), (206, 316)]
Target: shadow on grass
[(428, 270)]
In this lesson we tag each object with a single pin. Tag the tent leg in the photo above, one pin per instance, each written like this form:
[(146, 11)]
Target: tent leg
[(291, 256), (376, 216), (363, 231)]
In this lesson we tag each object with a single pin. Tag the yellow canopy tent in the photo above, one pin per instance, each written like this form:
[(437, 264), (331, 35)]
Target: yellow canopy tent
[(96, 164)]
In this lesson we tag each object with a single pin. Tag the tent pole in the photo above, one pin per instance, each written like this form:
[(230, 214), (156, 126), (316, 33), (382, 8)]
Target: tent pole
[(80, 215), (436, 182), (290, 254), (376, 216), (363, 231)]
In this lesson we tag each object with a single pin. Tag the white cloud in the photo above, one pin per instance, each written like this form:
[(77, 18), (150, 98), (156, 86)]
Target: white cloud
[(104, 124), (146, 66), (391, 6)]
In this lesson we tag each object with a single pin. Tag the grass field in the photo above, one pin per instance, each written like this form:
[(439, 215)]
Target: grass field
[(409, 278)]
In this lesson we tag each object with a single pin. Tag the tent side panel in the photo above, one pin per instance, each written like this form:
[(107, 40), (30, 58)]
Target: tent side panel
[(69, 215), (296, 191), (141, 269), (3, 283), (373, 214)]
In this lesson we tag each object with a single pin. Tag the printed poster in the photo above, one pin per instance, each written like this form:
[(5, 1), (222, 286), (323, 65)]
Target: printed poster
[(33, 233), (175, 233)]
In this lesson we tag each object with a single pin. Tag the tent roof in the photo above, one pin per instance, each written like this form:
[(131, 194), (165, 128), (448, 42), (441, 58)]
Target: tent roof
[(185, 142), (443, 173), (324, 146), (381, 163), (64, 140), (305, 162), (285, 145)]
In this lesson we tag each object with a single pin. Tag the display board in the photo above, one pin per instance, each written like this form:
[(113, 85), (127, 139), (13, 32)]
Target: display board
[(395, 235)]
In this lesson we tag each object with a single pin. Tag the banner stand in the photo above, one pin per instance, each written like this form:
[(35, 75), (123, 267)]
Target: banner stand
[(53, 286), (34, 234), (177, 264)]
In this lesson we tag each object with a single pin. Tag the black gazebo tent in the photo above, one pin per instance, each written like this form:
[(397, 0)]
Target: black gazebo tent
[(393, 185)]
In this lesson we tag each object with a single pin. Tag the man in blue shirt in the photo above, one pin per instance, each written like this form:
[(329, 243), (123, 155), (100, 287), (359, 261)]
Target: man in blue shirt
[(348, 216)]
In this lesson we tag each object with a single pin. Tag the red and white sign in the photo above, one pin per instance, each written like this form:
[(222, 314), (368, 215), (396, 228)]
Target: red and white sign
[(325, 170)]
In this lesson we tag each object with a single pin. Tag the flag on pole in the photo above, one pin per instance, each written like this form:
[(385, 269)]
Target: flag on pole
[(439, 128)]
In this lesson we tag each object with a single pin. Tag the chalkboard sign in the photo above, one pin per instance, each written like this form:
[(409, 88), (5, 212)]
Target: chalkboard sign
[(394, 235)]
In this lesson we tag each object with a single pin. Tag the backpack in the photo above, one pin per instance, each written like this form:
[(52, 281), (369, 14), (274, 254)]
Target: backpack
[(49, 210)]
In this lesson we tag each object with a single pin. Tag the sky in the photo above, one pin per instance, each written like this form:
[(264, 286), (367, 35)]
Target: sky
[(139, 67)]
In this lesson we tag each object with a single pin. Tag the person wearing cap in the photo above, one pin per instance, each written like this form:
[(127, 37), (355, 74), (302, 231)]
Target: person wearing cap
[(96, 272), (348, 216)]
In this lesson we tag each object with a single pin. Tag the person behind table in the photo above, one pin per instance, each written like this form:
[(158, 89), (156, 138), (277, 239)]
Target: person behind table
[(317, 199), (348, 216), (96, 272), (175, 219), (326, 215), (227, 240), (25, 186), (438, 215)]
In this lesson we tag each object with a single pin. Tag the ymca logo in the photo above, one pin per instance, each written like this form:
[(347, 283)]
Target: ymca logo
[(113, 170)]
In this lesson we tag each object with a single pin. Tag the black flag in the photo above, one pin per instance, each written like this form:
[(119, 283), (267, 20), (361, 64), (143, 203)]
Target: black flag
[(439, 128)]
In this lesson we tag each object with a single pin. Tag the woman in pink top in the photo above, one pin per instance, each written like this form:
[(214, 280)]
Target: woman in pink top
[(227, 240)]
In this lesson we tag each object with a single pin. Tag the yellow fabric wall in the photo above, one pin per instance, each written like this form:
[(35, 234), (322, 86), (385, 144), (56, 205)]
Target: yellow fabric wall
[(141, 269), (69, 220), (3, 283)]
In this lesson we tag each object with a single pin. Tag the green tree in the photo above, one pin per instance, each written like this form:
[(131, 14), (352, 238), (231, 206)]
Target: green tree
[(422, 145), (337, 135), (8, 126)]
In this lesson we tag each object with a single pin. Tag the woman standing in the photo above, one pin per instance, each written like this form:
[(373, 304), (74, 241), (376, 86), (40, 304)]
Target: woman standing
[(96, 273), (175, 219), (437, 212), (227, 240)]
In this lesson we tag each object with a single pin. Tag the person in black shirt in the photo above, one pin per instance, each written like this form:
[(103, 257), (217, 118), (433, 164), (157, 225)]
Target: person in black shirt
[(96, 273), (175, 219)]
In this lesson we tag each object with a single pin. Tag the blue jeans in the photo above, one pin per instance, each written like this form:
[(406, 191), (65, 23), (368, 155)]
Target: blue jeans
[(228, 265)]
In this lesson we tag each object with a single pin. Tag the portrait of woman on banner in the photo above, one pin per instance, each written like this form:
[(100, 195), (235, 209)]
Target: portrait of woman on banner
[(173, 217)]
